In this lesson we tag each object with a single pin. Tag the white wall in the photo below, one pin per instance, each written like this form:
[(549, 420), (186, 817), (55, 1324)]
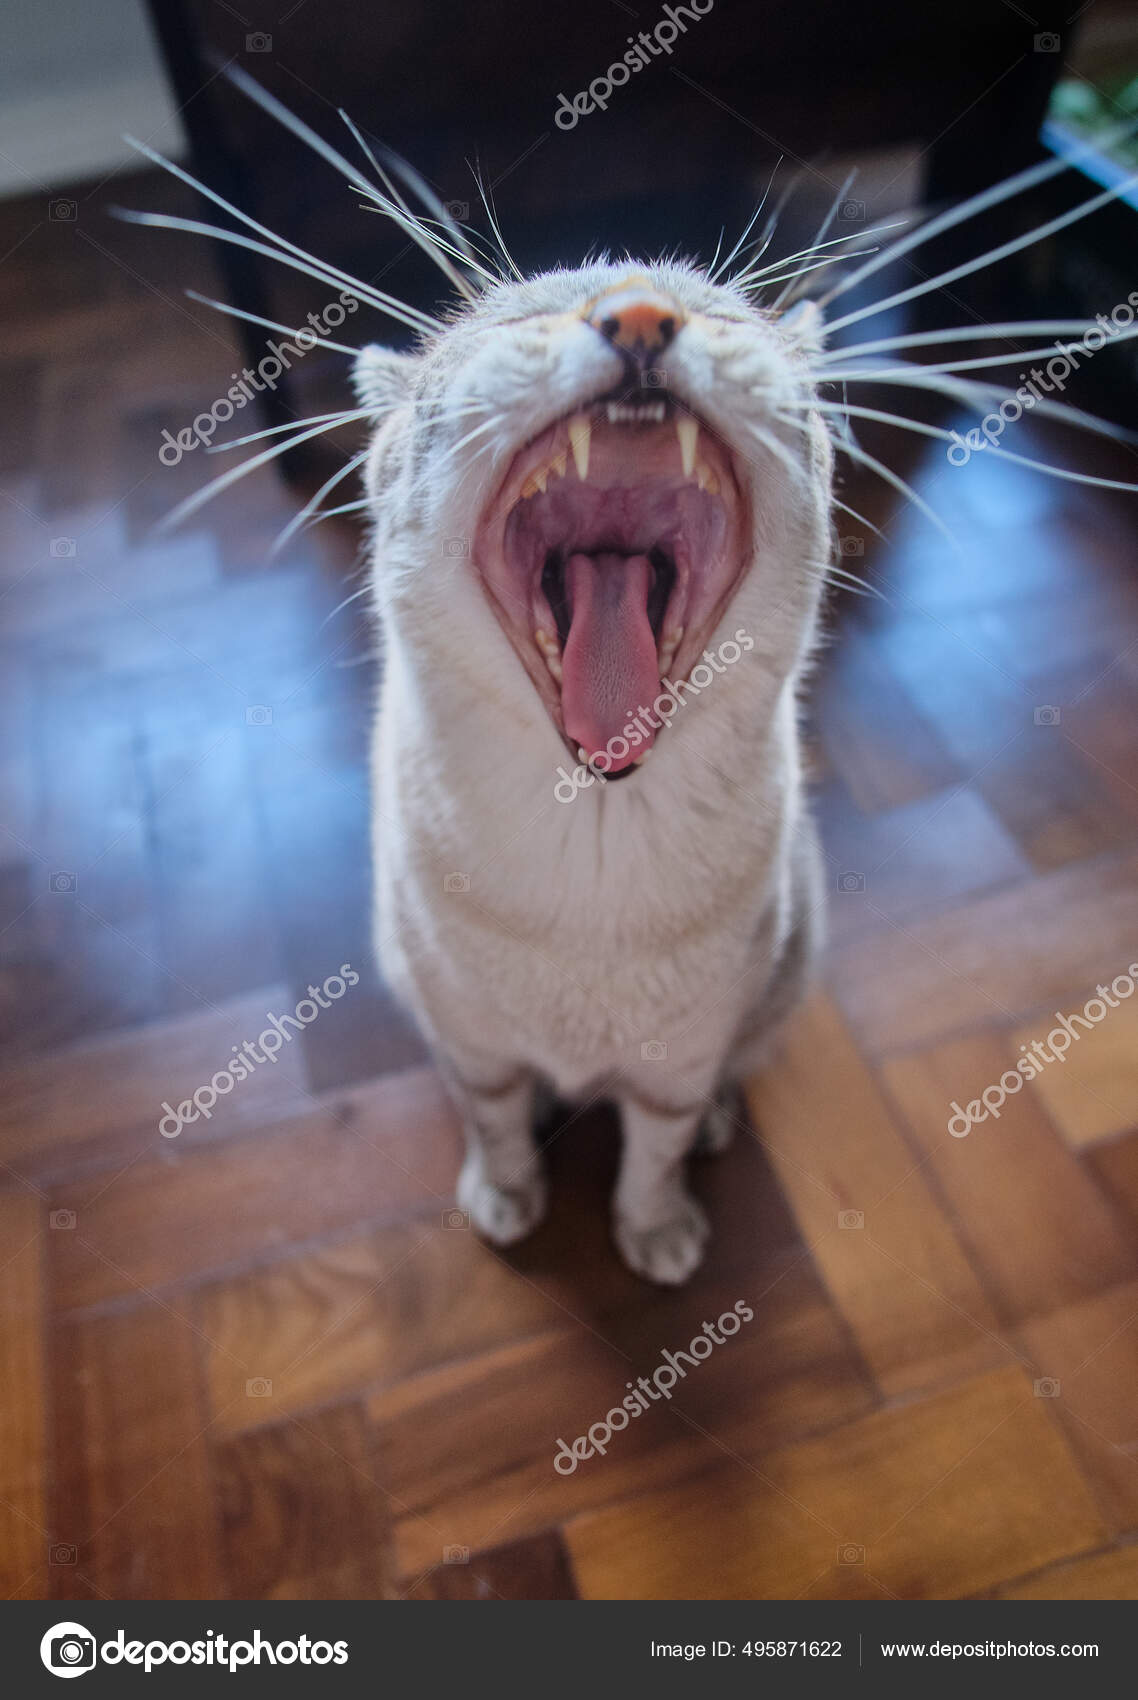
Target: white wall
[(74, 74)]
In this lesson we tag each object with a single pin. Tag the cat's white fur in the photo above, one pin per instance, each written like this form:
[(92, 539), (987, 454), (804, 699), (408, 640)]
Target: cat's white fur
[(644, 939)]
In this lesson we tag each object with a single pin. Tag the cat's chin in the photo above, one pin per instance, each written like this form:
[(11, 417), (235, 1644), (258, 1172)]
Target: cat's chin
[(609, 553)]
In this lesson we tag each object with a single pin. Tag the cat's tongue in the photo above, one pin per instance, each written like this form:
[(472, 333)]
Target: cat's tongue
[(609, 664)]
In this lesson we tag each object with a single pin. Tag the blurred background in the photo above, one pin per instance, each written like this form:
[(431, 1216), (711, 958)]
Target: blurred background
[(266, 1359)]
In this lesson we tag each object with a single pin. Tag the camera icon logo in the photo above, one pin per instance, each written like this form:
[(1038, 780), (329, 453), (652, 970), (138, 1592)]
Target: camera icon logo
[(258, 42), (456, 546), (1048, 715), (654, 378), (851, 546), (67, 1649), (456, 882), (64, 1219), (850, 1554), (61, 882), (63, 211), (456, 1219), (456, 1555), (1047, 1387), (1048, 42), (258, 1388), (654, 1050), (851, 1218), (852, 211), (458, 210), (258, 714), (62, 548), (851, 881), (62, 1552)]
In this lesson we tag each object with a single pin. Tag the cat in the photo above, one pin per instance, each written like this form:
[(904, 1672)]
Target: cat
[(601, 504), (634, 504)]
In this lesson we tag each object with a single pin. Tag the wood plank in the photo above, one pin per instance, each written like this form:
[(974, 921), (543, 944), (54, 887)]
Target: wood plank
[(302, 1516), (533, 1569), (1035, 1225), (1092, 1093), (25, 1546), (384, 1151), (132, 1486), (364, 1311), (931, 1500), (1089, 1352), (104, 1099), (896, 1271), (1106, 1576), (1000, 956), (468, 1449)]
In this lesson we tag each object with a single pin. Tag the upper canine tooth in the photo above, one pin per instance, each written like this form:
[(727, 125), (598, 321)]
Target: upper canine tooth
[(687, 430), (580, 431), (706, 479)]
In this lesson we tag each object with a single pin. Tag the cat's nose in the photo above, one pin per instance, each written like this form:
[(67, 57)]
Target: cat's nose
[(637, 319)]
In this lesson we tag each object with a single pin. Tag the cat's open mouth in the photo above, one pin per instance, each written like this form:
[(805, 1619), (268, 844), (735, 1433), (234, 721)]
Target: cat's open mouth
[(609, 554)]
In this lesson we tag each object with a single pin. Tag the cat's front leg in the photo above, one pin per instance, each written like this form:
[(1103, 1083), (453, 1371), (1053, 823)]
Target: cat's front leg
[(659, 1228), (501, 1184)]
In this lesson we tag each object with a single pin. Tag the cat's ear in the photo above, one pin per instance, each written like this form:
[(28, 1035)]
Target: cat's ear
[(802, 323), (382, 378)]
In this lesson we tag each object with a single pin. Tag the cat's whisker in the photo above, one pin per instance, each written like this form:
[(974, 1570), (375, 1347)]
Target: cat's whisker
[(395, 206), (714, 272), (275, 430), (271, 324), (959, 333), (362, 292), (856, 452), (312, 506), (492, 217), (462, 239), (991, 257), (973, 393), (861, 519), (328, 272), (977, 363), (1031, 178), (217, 485), (745, 278)]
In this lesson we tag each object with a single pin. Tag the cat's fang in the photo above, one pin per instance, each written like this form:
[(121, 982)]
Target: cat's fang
[(580, 433), (550, 650), (687, 430), (672, 642)]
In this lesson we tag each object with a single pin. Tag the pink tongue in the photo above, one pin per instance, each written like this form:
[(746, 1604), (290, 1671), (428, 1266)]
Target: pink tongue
[(609, 665)]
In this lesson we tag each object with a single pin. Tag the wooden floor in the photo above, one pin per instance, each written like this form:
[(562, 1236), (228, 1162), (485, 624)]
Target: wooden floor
[(265, 1359)]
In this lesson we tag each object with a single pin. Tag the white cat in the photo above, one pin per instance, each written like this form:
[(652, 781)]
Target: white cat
[(593, 482)]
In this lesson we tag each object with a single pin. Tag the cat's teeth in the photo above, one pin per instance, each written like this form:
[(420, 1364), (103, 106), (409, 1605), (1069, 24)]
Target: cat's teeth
[(672, 642), (705, 478), (535, 482), (551, 651), (557, 464), (687, 430), (580, 432)]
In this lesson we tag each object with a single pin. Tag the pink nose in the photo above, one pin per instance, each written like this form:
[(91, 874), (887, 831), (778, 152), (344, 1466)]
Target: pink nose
[(639, 320)]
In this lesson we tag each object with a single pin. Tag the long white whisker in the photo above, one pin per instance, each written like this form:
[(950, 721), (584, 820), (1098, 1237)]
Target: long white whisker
[(200, 497), (967, 267), (750, 225), (970, 392), (816, 248), (270, 324), (1012, 358), (410, 316), (328, 419), (498, 237), (960, 333), (310, 507), (1022, 181), (856, 452)]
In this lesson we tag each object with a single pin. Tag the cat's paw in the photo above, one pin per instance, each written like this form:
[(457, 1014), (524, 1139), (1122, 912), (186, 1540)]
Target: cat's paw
[(502, 1215), (666, 1252)]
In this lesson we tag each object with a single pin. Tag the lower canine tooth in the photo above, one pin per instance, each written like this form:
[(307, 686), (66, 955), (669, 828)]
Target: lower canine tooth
[(580, 431), (687, 430), (672, 642)]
